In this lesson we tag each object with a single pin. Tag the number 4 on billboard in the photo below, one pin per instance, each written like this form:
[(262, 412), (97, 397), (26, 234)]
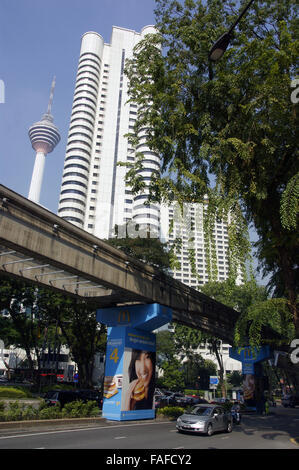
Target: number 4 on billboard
[(114, 355)]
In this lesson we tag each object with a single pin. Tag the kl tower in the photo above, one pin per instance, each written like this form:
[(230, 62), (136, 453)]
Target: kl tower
[(44, 137)]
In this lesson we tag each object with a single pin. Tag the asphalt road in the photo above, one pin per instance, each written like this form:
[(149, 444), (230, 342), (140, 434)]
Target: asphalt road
[(278, 430)]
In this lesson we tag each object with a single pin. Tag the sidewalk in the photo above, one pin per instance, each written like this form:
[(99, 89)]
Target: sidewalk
[(62, 422), (44, 423)]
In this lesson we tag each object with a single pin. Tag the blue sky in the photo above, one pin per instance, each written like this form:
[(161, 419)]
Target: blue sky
[(40, 39)]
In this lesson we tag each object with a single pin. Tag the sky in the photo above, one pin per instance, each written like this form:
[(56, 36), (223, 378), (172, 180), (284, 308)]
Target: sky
[(40, 39)]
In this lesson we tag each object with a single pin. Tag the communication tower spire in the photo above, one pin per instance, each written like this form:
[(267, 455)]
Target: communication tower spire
[(44, 137)]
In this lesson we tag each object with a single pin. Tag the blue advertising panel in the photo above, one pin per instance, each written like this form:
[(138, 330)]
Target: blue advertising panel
[(250, 355), (113, 372), (129, 382), (148, 317)]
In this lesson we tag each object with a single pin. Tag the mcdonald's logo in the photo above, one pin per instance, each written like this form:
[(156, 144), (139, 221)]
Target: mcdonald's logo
[(247, 353), (124, 317)]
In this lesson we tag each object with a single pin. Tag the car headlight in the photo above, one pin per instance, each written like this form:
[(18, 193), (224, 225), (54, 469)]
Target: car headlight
[(198, 425)]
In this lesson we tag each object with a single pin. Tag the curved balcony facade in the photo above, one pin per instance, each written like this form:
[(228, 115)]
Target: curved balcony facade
[(75, 179)]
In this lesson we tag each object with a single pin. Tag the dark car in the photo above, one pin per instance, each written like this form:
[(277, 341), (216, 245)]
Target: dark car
[(205, 419), (180, 399), (60, 397), (194, 400), (290, 400), (168, 398), (159, 402)]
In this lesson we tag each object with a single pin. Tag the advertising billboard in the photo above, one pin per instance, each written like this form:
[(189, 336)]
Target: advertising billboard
[(129, 381)]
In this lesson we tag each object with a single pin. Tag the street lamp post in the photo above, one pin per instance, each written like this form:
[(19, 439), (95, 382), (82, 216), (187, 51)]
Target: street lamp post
[(220, 46)]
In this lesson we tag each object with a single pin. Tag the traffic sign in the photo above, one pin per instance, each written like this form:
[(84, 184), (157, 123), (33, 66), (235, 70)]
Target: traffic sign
[(213, 382)]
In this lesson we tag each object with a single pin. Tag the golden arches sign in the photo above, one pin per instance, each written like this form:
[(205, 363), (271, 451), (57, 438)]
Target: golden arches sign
[(247, 353), (124, 316)]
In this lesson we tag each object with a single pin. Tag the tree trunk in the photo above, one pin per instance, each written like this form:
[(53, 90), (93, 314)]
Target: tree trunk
[(221, 368)]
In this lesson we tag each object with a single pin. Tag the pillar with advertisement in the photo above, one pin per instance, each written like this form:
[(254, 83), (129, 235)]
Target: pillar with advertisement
[(252, 371), (129, 381)]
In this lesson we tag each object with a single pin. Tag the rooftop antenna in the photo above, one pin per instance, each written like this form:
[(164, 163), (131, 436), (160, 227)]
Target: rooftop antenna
[(51, 96)]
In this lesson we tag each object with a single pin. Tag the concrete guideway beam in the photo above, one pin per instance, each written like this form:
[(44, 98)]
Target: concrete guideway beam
[(39, 246)]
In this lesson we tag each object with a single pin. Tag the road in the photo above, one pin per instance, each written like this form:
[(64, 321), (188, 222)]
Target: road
[(278, 430)]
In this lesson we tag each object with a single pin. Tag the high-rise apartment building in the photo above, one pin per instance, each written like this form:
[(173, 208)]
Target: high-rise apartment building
[(93, 193), (187, 224)]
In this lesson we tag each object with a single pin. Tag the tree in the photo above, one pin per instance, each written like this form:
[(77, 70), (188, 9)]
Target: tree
[(19, 300), (235, 378), (165, 348), (36, 315), (233, 120), (186, 341), (81, 332), (173, 378)]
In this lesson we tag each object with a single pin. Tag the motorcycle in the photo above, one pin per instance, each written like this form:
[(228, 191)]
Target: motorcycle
[(236, 415)]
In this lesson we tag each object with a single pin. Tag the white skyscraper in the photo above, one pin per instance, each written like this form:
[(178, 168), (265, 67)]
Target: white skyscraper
[(93, 192)]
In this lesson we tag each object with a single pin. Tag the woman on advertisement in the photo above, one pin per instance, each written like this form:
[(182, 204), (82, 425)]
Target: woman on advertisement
[(140, 392)]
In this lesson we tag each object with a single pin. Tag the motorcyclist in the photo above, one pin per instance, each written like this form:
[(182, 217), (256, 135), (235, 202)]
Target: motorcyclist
[(236, 412)]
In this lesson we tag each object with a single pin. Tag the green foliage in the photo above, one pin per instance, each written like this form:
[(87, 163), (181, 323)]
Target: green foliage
[(198, 393), (13, 392), (173, 378), (271, 312), (29, 413), (289, 204), (235, 378), (78, 409), (171, 411), (165, 347), (186, 340), (51, 412), (16, 411)]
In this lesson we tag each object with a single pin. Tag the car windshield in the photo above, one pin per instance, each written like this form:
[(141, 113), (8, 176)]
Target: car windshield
[(201, 411), (52, 395)]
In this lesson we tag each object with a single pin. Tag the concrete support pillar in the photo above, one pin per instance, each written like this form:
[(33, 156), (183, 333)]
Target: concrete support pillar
[(129, 382), (252, 358), (37, 177)]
